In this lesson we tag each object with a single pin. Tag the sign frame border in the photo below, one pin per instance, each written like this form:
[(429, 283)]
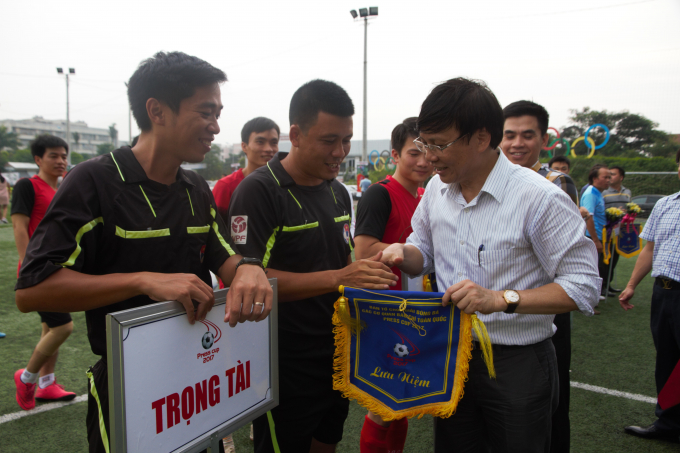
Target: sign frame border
[(118, 321)]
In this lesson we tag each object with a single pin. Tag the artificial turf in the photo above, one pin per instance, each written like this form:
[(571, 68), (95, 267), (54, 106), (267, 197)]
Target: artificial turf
[(613, 350)]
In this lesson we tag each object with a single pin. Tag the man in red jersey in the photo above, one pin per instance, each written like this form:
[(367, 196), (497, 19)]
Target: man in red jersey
[(383, 218), (260, 141), (30, 200)]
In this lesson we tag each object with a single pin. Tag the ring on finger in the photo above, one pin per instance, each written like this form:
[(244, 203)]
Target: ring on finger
[(261, 304)]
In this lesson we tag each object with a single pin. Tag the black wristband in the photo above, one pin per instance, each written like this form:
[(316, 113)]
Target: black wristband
[(251, 261)]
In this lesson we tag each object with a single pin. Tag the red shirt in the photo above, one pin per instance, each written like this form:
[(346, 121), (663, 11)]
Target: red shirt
[(223, 191), (385, 212)]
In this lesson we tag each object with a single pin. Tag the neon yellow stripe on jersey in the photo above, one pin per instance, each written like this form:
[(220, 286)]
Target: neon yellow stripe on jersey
[(147, 200), (102, 426), (270, 169), (291, 194), (333, 192), (270, 245), (79, 235), (219, 236), (197, 230), (306, 226), (342, 219), (119, 172), (190, 203), (143, 234)]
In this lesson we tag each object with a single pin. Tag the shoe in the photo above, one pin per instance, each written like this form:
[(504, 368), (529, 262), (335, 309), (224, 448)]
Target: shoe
[(228, 444), (652, 432), (25, 392), (2, 335), (614, 290), (4, 221), (596, 312), (53, 392), (602, 298)]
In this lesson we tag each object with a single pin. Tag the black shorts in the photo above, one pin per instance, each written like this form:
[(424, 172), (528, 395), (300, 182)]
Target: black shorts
[(54, 319), (308, 408)]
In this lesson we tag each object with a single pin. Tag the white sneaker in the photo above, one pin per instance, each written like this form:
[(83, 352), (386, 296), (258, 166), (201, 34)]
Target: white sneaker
[(602, 297)]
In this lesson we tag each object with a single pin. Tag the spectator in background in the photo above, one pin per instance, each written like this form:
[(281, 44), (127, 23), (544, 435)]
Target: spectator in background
[(560, 163), (616, 196), (260, 141), (661, 255), (593, 201), (30, 201), (525, 133), (365, 184), (4, 198)]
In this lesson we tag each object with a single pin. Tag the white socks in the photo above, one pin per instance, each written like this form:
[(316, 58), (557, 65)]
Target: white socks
[(46, 380), (29, 378)]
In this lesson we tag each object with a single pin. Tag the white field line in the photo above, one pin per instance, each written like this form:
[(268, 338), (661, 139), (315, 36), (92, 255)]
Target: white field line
[(630, 396), (42, 408), (48, 407)]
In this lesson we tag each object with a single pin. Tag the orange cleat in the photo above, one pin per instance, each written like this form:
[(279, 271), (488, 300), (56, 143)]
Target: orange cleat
[(53, 392)]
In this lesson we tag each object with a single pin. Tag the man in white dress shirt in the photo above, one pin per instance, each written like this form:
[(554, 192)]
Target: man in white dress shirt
[(510, 246)]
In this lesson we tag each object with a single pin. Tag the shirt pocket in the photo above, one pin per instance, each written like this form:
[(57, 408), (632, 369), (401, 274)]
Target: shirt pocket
[(501, 269)]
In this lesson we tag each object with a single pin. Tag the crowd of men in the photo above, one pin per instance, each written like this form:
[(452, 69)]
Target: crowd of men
[(503, 234)]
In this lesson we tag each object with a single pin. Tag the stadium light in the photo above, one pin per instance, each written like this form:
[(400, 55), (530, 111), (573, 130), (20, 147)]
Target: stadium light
[(71, 71), (364, 13)]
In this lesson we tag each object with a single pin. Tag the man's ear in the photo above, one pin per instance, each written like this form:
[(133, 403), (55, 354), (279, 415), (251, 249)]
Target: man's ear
[(156, 111), (37, 160), (395, 156), (546, 137), (244, 145), (483, 139), (294, 135)]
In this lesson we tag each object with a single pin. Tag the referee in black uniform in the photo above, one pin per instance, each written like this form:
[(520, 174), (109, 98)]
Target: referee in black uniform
[(131, 227), (295, 217)]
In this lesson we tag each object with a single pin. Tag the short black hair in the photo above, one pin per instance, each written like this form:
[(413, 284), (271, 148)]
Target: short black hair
[(44, 141), (318, 96), (408, 127), (594, 172), (522, 108), (169, 78), (259, 124), (559, 159), (467, 105), (622, 172)]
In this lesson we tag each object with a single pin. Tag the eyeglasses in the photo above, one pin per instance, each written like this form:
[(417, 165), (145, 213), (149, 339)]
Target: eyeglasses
[(434, 149)]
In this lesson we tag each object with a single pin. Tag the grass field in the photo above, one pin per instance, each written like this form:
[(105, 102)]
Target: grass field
[(613, 350)]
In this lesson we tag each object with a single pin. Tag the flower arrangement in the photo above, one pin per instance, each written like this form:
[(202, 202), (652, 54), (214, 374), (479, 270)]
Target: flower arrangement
[(613, 215), (632, 209)]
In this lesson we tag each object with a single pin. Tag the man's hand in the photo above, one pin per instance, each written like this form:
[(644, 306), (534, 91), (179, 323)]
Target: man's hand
[(584, 213), (599, 246), (184, 288), (250, 296), (369, 274), (470, 298), (393, 255), (626, 295)]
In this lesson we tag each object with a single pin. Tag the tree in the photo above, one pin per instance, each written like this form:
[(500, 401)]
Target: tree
[(631, 135), (76, 138), (76, 158), (105, 148), (213, 164), (8, 139)]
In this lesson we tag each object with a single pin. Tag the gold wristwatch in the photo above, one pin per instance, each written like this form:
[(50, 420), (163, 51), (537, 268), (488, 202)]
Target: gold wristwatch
[(512, 299)]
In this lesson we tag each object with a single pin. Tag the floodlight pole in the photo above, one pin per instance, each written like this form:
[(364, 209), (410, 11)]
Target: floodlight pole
[(364, 149), (68, 125)]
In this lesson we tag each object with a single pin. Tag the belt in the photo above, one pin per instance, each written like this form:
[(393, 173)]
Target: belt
[(506, 347), (666, 283)]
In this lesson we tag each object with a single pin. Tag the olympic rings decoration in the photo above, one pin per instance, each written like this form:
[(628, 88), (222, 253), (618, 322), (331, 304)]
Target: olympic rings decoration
[(606, 139), (590, 141), (553, 144), (379, 165), (377, 156)]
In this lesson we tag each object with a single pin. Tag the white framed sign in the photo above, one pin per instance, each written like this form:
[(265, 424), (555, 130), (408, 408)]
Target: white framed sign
[(176, 387)]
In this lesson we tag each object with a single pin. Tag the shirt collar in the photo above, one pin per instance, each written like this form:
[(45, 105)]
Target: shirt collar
[(276, 169), (495, 182), (675, 196), (537, 166), (132, 170)]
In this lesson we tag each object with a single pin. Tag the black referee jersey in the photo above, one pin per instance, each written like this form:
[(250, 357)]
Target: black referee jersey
[(299, 229), (108, 217)]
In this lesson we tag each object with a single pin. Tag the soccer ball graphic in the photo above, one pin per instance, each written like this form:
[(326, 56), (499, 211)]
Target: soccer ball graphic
[(207, 340), (401, 350)]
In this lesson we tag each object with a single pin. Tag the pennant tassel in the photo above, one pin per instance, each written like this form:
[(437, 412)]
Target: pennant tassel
[(485, 343)]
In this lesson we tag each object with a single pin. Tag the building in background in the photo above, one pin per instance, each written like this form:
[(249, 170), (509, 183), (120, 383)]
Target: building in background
[(88, 137)]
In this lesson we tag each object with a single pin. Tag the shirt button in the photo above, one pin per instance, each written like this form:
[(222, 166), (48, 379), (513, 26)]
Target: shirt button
[(462, 242), (460, 274), (467, 209)]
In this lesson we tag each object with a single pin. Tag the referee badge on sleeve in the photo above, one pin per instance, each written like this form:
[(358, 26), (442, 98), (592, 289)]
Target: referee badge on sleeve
[(239, 229)]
